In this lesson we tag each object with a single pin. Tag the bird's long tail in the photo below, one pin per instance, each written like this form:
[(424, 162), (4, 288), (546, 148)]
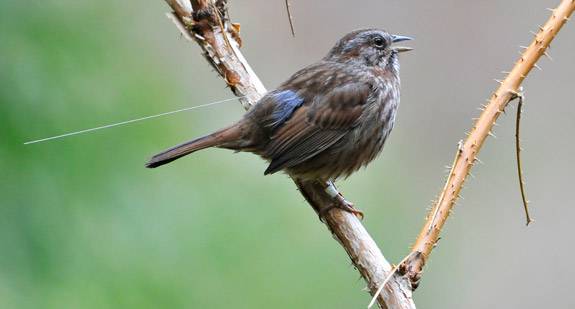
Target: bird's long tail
[(218, 138)]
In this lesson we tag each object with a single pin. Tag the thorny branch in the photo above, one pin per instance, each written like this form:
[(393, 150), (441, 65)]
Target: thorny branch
[(206, 23), (466, 154)]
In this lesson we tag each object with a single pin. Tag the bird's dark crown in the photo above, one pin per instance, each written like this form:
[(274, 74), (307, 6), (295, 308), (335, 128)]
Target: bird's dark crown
[(371, 47)]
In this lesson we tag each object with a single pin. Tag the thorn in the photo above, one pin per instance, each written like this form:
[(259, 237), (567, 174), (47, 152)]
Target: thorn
[(479, 161), (546, 54), (497, 80), (523, 47), (535, 65), (491, 134), (540, 28), (533, 32), (505, 72), (460, 145), (550, 10)]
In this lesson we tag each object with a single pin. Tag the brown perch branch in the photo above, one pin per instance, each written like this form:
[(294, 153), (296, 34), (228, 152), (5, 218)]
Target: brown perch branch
[(200, 21), (467, 152)]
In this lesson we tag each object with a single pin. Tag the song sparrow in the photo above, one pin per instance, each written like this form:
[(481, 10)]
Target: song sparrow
[(327, 120)]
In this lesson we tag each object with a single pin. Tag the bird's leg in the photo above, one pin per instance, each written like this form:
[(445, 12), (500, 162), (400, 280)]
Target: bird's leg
[(338, 202)]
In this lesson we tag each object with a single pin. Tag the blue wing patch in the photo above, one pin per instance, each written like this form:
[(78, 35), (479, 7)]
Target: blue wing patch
[(287, 101)]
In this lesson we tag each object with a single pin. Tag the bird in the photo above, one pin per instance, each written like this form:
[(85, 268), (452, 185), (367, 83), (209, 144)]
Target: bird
[(326, 121)]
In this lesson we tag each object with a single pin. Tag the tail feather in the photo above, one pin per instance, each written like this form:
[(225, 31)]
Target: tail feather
[(212, 140)]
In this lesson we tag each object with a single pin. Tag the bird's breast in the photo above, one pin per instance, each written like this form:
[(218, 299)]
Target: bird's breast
[(377, 123)]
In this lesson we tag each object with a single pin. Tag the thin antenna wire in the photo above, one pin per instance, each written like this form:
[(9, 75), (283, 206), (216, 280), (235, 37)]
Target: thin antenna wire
[(127, 121)]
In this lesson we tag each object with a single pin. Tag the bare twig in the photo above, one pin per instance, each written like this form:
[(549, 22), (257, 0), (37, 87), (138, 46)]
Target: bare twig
[(288, 9), (200, 23), (519, 97), (468, 153)]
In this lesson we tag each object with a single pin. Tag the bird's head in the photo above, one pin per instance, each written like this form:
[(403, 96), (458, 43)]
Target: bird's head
[(371, 47)]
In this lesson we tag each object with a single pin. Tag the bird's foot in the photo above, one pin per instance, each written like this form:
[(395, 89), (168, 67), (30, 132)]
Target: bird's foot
[(344, 205), (339, 202)]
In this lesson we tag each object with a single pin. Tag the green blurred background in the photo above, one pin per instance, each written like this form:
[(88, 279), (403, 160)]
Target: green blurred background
[(84, 225)]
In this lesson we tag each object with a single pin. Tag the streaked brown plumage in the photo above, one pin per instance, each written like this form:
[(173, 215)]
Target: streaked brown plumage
[(327, 120)]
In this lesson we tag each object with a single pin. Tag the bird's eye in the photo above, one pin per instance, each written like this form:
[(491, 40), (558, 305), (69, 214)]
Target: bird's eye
[(379, 42)]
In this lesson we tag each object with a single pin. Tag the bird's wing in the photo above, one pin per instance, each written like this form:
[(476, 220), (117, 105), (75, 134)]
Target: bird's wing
[(317, 125)]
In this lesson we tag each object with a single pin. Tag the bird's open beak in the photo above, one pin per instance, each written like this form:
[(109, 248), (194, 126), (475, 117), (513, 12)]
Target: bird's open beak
[(401, 38)]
